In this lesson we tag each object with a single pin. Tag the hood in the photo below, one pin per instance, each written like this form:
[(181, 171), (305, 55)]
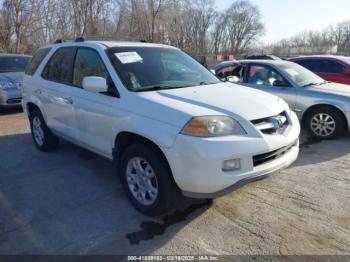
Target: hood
[(332, 88), (14, 77), (175, 106)]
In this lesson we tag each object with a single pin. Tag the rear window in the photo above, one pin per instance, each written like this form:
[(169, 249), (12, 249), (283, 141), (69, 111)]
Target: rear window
[(37, 59)]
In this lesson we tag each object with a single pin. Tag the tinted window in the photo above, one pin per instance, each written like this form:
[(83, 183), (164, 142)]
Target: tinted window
[(13, 63), (147, 68), (37, 59), (59, 67), (264, 75), (312, 65), (322, 66), (88, 63), (332, 67)]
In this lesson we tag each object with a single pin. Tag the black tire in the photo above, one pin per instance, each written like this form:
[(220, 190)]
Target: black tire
[(339, 122), (168, 192), (49, 140)]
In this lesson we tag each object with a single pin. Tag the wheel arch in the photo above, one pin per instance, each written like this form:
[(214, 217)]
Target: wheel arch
[(125, 139), (315, 106), (30, 106)]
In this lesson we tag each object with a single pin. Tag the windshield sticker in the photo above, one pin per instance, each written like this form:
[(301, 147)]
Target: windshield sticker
[(129, 57)]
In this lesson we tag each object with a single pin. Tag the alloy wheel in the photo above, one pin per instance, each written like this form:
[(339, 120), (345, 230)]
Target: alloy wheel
[(142, 181), (323, 124), (38, 131)]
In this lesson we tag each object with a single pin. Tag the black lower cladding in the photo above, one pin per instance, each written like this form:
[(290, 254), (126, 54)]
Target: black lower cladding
[(272, 155)]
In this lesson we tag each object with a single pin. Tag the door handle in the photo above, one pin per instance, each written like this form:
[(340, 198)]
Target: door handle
[(37, 91), (68, 100)]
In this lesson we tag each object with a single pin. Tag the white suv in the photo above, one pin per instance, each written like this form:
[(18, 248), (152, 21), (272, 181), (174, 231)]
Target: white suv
[(170, 125)]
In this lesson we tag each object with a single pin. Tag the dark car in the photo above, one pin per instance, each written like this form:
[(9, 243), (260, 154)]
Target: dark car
[(12, 67), (329, 67), (263, 57)]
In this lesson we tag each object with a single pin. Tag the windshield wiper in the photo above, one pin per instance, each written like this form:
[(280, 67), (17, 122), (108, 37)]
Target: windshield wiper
[(311, 84), (156, 88), (206, 83)]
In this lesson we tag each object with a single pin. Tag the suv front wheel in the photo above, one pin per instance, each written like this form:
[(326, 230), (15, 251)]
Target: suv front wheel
[(147, 179), (43, 138)]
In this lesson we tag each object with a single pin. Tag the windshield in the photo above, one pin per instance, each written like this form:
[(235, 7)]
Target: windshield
[(13, 63), (300, 75), (153, 68)]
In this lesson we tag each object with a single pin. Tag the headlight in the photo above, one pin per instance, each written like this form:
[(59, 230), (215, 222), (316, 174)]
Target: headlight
[(209, 126), (5, 85)]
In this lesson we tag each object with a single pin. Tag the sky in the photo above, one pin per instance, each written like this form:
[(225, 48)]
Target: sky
[(285, 18)]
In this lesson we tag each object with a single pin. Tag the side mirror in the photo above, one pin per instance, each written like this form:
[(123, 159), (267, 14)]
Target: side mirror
[(95, 84), (280, 83), (347, 72)]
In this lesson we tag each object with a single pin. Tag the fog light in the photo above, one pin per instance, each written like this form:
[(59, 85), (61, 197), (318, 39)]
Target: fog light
[(232, 164)]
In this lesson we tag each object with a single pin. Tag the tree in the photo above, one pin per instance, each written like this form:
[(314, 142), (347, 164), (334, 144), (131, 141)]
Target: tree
[(239, 27)]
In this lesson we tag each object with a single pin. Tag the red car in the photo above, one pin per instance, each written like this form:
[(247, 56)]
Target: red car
[(329, 67)]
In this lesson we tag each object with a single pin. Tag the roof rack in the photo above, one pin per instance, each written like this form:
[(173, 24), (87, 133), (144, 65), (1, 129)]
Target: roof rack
[(143, 41), (58, 41), (79, 39)]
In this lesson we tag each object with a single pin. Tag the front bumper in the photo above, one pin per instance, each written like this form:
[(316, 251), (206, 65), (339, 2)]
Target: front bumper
[(196, 163), (10, 97)]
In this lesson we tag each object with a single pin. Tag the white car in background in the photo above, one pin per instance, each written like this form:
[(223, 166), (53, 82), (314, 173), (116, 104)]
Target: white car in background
[(170, 125)]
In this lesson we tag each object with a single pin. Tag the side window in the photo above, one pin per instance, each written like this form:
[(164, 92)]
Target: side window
[(313, 65), (232, 73), (36, 60), (59, 68), (264, 75), (332, 67), (88, 63)]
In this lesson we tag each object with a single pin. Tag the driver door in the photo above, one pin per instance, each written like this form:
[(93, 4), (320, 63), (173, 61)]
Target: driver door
[(266, 78)]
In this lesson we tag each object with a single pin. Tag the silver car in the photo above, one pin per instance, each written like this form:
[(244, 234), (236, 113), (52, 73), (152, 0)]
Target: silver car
[(12, 69), (322, 107)]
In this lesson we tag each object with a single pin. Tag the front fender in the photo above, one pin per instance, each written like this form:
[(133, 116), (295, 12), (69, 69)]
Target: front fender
[(162, 134)]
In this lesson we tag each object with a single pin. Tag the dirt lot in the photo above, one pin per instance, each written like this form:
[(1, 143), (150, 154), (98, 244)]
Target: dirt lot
[(71, 202)]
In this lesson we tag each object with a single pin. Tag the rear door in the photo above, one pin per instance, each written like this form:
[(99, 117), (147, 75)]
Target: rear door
[(55, 93), (263, 77)]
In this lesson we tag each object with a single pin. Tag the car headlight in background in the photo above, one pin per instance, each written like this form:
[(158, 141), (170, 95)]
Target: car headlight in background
[(6, 85), (211, 126)]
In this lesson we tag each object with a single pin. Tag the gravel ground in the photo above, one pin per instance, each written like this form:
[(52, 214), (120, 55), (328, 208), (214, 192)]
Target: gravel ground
[(71, 202)]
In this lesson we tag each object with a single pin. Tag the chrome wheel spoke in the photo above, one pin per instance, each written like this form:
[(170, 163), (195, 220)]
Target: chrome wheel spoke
[(323, 124), (142, 181), (38, 132)]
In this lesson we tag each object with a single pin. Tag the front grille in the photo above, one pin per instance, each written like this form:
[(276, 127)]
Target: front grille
[(273, 124), (267, 157), (13, 101)]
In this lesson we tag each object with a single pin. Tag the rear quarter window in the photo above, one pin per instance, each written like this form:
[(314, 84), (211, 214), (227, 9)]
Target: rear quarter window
[(36, 61)]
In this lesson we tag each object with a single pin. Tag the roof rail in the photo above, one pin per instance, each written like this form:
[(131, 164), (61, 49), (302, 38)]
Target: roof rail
[(58, 41), (79, 39)]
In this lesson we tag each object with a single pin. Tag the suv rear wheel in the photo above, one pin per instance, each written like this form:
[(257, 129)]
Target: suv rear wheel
[(43, 138), (325, 123), (147, 179)]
